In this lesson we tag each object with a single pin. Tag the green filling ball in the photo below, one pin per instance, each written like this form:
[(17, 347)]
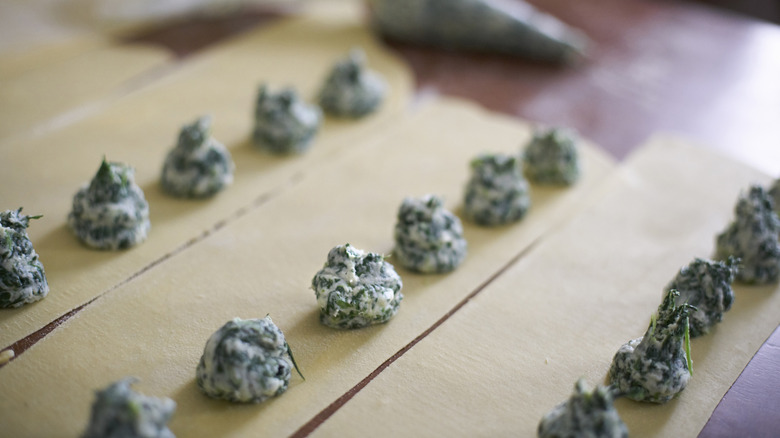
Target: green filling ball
[(199, 166), (119, 412), (22, 278), (245, 361), (284, 124), (752, 237), (356, 289), (428, 238), (706, 285), (110, 212), (350, 89), (587, 413), (551, 158), (497, 193), (656, 367)]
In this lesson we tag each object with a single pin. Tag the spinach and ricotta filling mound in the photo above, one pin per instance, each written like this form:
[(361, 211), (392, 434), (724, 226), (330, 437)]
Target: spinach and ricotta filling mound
[(22, 278), (246, 360), (356, 289), (706, 285), (656, 367), (284, 124), (110, 212), (120, 412), (587, 413), (497, 193), (199, 166), (753, 238), (428, 238), (351, 90), (551, 158)]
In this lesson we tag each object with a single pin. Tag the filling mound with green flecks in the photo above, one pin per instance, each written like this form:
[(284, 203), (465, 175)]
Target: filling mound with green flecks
[(351, 90), (22, 278), (551, 158), (753, 238), (284, 124), (198, 166), (120, 412), (587, 413), (497, 193), (110, 212), (245, 361), (356, 289), (656, 367), (428, 238), (706, 285)]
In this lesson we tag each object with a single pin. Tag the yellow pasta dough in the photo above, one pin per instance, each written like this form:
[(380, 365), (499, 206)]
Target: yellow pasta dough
[(54, 92), (140, 129), (156, 325), (19, 62), (513, 353)]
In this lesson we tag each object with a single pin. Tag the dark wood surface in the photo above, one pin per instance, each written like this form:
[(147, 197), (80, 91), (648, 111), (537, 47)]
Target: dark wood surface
[(654, 66), (686, 68)]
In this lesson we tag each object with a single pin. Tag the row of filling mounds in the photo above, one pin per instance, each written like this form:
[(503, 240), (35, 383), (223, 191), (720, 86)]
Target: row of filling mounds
[(657, 367), (111, 213), (295, 229), (108, 67), (246, 361), (561, 313), (298, 52), (250, 360)]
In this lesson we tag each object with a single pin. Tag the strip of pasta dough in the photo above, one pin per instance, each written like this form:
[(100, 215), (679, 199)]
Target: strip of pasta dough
[(155, 326), (515, 351), (141, 128)]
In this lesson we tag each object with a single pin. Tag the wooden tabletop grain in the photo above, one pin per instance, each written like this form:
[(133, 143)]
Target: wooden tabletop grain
[(685, 68)]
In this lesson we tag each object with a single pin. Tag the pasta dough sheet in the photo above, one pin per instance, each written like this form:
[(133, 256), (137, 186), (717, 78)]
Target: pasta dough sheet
[(27, 25), (30, 26), (141, 128), (515, 351), (155, 326), (14, 64), (37, 97)]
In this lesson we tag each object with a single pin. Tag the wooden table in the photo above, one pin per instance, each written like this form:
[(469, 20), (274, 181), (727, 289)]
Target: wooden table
[(655, 66)]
